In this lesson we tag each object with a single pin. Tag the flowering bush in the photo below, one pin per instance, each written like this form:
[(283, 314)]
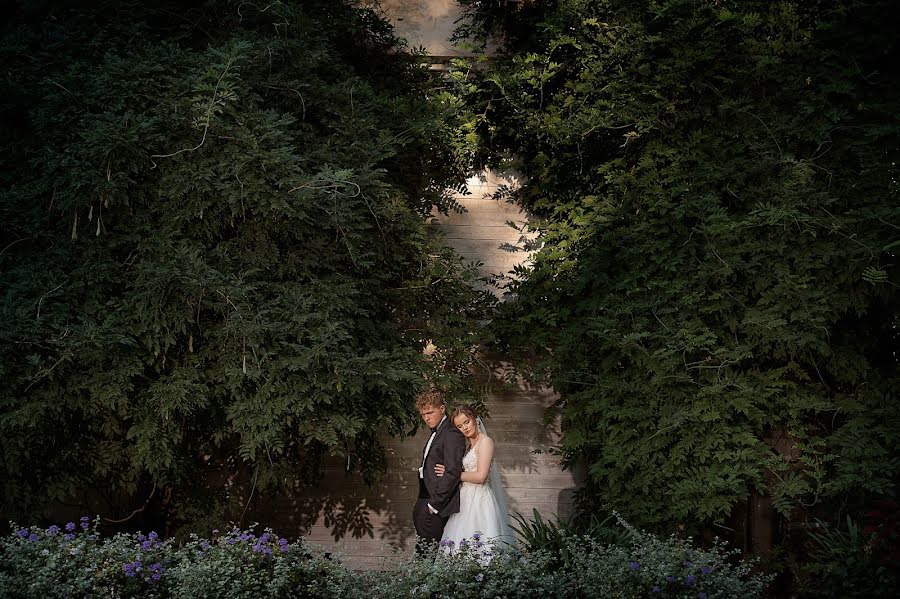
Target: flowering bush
[(75, 561)]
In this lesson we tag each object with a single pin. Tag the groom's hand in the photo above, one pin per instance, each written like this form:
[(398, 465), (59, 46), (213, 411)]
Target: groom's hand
[(439, 469)]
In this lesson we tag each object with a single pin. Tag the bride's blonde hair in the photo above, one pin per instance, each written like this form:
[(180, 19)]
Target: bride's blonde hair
[(461, 409), (467, 410)]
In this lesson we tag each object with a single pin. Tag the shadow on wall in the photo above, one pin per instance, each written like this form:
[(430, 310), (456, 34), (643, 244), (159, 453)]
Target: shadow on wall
[(343, 510)]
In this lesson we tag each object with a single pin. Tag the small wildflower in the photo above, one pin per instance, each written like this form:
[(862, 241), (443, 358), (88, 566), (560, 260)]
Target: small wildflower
[(45, 552), (705, 570), (69, 536), (231, 541), (655, 589), (634, 566), (283, 542), (264, 538), (129, 569), (204, 545), (152, 536), (141, 538), (156, 576), (73, 551), (70, 526), (22, 533), (33, 537), (479, 577), (85, 522), (267, 550), (53, 530), (690, 580), (146, 545), (476, 536)]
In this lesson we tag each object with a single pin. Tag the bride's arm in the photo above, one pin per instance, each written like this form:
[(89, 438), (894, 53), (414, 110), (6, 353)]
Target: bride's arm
[(485, 456)]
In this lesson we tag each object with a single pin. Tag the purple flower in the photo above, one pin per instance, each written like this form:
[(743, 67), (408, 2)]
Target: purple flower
[(204, 545), (85, 525), (476, 536), (655, 589), (687, 564), (141, 538), (670, 579), (283, 542), (231, 541), (264, 538), (702, 595), (690, 580), (137, 564), (245, 537), (156, 566), (634, 566), (70, 526), (53, 530), (84, 519), (156, 576), (69, 537), (705, 570), (33, 537), (129, 569), (267, 550), (152, 536), (23, 532)]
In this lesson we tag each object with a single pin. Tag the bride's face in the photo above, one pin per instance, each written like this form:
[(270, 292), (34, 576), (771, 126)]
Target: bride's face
[(467, 426)]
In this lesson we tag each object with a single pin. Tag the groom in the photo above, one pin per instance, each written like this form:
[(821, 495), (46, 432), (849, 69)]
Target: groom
[(438, 496)]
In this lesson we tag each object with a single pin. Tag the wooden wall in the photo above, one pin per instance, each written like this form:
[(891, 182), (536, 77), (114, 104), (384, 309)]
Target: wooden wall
[(372, 527), (483, 233)]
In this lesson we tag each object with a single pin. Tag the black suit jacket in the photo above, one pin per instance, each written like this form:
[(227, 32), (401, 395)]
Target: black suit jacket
[(448, 448)]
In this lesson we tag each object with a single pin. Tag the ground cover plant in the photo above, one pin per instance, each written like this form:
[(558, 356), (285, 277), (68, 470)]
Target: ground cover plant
[(73, 560)]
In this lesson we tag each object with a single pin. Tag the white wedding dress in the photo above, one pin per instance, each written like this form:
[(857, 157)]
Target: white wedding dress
[(482, 522)]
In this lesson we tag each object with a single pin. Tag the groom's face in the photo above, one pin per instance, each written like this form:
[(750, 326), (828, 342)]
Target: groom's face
[(431, 416)]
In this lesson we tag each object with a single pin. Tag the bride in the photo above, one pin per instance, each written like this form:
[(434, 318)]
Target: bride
[(482, 513)]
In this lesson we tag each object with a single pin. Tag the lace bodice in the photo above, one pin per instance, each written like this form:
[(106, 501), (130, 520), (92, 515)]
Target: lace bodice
[(470, 461)]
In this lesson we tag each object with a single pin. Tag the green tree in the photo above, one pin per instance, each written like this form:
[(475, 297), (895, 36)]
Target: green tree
[(213, 250), (715, 186)]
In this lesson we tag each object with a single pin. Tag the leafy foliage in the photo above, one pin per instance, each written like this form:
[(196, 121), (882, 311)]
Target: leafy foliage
[(854, 560), (213, 254), (715, 187)]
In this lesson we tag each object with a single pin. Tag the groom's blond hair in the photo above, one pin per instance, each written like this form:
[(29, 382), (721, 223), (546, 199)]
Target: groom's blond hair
[(432, 398)]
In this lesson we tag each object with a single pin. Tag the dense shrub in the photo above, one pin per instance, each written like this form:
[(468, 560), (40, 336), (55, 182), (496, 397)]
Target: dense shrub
[(65, 562), (212, 251)]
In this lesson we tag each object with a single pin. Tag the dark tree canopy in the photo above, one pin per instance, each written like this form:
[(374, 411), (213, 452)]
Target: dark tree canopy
[(715, 186), (212, 247)]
